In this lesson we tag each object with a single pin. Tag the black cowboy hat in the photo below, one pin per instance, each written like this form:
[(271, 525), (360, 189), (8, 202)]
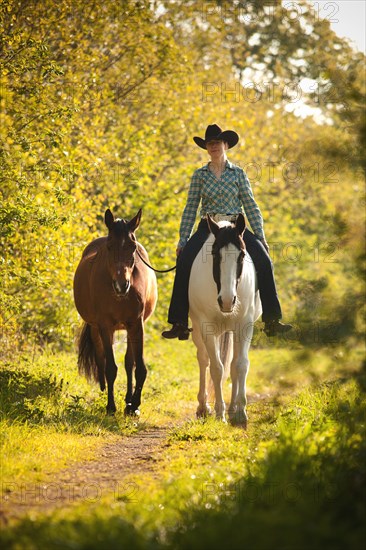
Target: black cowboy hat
[(214, 132)]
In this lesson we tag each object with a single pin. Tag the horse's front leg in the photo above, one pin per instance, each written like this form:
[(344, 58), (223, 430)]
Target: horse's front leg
[(110, 367), (203, 408), (129, 364), (234, 385), (217, 371), (136, 337), (239, 372), (237, 408)]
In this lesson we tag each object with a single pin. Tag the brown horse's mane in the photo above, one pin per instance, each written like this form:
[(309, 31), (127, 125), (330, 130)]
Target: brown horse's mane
[(120, 227)]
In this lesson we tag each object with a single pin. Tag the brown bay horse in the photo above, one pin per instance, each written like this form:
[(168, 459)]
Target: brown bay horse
[(114, 290)]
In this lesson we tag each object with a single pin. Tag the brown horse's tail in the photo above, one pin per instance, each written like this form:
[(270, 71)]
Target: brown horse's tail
[(87, 358)]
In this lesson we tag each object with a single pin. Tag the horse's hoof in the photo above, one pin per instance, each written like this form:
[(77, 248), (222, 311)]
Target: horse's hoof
[(239, 418), (204, 412), (111, 410), (130, 411)]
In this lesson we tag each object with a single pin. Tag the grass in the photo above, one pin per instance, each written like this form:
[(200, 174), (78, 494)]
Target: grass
[(50, 417), (294, 480), (304, 486)]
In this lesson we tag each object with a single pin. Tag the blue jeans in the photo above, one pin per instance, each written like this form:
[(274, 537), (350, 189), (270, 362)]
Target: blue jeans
[(179, 305)]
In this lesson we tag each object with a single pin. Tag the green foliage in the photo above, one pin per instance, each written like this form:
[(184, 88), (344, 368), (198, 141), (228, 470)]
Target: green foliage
[(92, 118), (49, 393)]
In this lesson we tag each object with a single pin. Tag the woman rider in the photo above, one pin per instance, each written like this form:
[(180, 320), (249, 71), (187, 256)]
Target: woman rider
[(224, 191)]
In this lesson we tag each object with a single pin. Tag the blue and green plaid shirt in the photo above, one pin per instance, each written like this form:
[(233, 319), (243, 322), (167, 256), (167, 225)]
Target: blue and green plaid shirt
[(224, 196)]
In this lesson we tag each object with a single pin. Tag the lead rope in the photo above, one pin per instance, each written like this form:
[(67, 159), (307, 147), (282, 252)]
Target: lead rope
[(156, 270)]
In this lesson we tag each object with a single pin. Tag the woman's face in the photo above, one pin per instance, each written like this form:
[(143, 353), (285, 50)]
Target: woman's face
[(216, 148)]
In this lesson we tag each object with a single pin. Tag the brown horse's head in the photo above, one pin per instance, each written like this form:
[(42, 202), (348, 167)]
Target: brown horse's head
[(121, 247)]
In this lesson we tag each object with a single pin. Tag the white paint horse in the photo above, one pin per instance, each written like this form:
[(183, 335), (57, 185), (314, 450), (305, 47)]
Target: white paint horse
[(223, 299)]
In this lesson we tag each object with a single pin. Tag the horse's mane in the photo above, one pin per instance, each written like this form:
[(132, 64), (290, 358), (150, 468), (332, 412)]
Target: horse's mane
[(120, 226), (228, 235)]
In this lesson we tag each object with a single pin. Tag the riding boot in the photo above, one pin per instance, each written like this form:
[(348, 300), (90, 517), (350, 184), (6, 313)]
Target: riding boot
[(178, 330), (274, 328)]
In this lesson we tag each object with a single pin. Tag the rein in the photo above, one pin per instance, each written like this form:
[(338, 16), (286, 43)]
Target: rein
[(156, 270)]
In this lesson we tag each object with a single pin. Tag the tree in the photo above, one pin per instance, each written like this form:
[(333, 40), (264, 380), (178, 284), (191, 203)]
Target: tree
[(99, 106)]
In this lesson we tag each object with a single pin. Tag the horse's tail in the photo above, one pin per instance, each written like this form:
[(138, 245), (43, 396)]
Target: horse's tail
[(87, 361), (226, 354)]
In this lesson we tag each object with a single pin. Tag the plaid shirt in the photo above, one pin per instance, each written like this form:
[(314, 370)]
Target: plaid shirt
[(224, 196)]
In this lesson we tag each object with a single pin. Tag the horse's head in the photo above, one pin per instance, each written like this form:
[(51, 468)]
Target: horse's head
[(228, 252), (121, 247)]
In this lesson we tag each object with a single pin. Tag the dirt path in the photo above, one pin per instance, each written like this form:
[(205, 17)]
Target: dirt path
[(88, 481)]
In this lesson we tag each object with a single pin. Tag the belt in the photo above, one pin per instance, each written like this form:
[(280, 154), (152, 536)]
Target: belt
[(223, 217)]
